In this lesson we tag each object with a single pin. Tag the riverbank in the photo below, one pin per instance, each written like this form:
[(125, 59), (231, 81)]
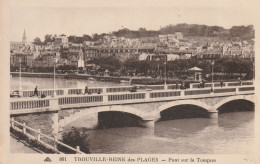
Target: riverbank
[(135, 80), (19, 146)]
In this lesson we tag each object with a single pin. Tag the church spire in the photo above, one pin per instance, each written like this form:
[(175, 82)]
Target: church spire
[(24, 39)]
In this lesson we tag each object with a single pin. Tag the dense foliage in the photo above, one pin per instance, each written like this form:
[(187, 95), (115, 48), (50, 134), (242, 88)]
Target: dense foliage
[(111, 64), (75, 137), (243, 32)]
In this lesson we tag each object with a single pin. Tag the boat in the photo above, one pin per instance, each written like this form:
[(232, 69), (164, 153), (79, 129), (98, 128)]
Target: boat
[(124, 81), (91, 78), (14, 93)]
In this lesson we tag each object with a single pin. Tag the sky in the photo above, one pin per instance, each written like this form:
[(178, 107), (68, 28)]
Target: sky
[(39, 20)]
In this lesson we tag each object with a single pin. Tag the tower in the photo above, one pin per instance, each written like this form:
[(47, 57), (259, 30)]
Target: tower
[(24, 39)]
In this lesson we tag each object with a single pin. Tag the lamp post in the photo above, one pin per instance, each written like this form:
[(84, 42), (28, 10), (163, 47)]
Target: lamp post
[(165, 74), (54, 65), (20, 80), (253, 62), (212, 74)]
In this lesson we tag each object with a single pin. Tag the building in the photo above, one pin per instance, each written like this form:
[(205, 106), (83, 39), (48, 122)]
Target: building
[(211, 54), (16, 46), (90, 53), (46, 59), (178, 35), (27, 59), (61, 40), (170, 37), (163, 38)]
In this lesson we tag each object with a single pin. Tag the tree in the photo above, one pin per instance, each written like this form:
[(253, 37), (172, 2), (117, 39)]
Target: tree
[(142, 29), (86, 37), (48, 38), (75, 137), (244, 32), (110, 63), (37, 41)]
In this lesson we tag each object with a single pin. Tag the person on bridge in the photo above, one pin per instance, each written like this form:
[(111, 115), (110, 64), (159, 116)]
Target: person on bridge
[(221, 83), (86, 90), (35, 91), (177, 85), (200, 85), (203, 84), (182, 85), (240, 81), (43, 95)]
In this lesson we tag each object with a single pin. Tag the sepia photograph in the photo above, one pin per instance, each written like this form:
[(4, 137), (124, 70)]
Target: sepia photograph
[(129, 79)]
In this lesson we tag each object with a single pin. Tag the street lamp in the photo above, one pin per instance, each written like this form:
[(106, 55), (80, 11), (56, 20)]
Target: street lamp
[(212, 70), (165, 74), (20, 80), (54, 65), (253, 62)]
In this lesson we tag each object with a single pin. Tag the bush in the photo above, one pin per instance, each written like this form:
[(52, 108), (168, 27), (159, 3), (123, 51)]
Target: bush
[(75, 137)]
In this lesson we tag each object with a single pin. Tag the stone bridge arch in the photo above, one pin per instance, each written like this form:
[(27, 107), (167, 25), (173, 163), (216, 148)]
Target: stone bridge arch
[(182, 102), (249, 98), (94, 110)]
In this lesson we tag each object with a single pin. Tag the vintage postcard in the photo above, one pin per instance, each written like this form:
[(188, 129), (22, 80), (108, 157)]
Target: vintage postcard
[(129, 81)]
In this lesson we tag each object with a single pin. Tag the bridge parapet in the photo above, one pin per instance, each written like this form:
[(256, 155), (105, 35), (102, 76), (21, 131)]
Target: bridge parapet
[(106, 99), (225, 84), (79, 91), (23, 106)]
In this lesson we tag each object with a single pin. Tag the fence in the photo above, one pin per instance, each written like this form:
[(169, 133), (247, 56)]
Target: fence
[(78, 91), (46, 92), (39, 137), (247, 89), (119, 97), (118, 89), (164, 94), (224, 90), (30, 104), (197, 92), (79, 99)]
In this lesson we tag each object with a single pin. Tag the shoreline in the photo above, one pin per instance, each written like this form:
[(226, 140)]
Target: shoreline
[(143, 81)]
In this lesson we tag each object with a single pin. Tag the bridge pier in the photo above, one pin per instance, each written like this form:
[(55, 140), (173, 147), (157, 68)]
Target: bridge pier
[(213, 114), (54, 103), (55, 123), (147, 123)]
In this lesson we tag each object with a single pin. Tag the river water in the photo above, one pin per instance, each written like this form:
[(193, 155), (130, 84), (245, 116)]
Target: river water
[(232, 133)]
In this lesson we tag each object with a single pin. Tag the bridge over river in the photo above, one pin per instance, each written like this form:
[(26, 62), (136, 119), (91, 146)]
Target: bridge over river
[(148, 103)]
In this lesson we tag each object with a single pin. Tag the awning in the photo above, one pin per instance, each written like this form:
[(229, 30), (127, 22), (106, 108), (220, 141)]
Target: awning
[(195, 69)]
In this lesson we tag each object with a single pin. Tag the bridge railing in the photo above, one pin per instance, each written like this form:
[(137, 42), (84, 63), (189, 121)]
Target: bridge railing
[(224, 90), (197, 92), (128, 96), (29, 104), (225, 84), (165, 94), (110, 98), (47, 92), (80, 99), (79, 91), (41, 138), (246, 89)]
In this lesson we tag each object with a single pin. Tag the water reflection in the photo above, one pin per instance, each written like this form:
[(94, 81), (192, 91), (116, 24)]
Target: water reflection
[(227, 122), (45, 83), (232, 133)]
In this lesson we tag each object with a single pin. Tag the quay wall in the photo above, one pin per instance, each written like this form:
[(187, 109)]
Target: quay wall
[(144, 81)]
